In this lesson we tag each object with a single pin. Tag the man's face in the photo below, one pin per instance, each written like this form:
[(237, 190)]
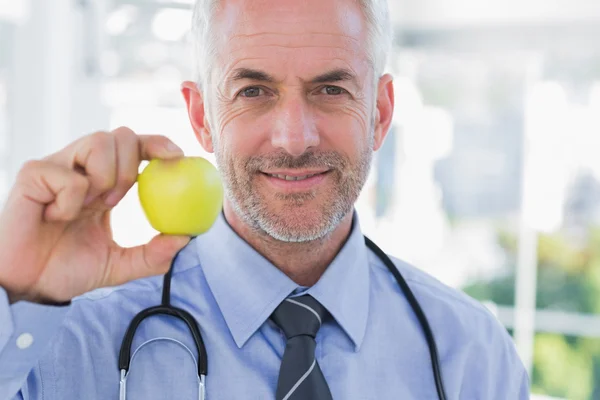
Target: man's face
[(291, 109)]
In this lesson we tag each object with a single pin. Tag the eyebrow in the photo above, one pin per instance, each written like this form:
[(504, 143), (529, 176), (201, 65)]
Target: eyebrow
[(251, 74), (336, 75)]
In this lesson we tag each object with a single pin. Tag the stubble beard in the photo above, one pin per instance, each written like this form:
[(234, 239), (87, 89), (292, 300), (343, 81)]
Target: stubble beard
[(294, 222)]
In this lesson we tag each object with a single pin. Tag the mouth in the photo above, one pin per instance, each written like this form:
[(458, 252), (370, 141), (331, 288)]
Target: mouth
[(295, 180), (293, 177)]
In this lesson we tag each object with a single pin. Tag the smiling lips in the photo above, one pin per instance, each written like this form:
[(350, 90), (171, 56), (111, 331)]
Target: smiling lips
[(295, 180), (291, 177)]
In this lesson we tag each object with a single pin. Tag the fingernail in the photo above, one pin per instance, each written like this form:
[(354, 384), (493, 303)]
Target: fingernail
[(173, 148)]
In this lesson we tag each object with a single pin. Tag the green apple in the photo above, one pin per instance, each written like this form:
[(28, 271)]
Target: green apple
[(182, 196)]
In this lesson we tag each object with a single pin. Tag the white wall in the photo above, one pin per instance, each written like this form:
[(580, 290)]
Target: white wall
[(464, 13)]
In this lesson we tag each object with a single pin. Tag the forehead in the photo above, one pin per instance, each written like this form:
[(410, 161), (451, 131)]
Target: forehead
[(290, 31)]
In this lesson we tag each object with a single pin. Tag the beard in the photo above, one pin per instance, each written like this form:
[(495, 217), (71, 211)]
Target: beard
[(294, 217)]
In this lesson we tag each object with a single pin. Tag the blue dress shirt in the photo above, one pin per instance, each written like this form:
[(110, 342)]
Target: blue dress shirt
[(373, 348)]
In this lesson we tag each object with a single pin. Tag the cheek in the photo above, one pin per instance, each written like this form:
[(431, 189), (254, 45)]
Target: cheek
[(359, 117), (239, 141), (347, 133), (242, 129)]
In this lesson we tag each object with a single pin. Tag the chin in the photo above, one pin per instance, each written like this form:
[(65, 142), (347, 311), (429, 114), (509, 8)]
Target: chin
[(299, 223), (301, 218), (298, 211)]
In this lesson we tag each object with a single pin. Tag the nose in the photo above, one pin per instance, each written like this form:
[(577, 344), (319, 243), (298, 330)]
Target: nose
[(295, 129)]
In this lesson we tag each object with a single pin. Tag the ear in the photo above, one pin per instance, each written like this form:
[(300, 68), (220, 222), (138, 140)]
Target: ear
[(197, 114), (384, 111)]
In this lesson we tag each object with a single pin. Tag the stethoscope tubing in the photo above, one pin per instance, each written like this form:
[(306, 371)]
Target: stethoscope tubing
[(165, 308)]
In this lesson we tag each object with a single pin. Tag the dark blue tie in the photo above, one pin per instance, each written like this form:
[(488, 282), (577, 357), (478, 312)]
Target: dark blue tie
[(300, 377)]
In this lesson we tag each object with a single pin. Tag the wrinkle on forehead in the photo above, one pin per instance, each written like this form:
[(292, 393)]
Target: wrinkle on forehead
[(293, 35), (334, 16), (312, 39), (285, 22), (283, 49)]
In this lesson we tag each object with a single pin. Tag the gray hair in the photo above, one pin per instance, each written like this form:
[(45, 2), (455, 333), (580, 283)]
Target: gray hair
[(376, 13)]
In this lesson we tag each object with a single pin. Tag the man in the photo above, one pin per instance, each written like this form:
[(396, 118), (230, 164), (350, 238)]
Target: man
[(291, 97)]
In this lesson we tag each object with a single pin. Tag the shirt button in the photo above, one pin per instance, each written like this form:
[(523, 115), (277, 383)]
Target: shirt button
[(24, 340)]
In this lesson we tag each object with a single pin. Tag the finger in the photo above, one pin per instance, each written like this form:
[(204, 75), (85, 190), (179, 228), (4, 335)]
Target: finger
[(153, 258), (131, 149), (158, 146), (128, 161), (59, 189), (150, 146), (95, 156)]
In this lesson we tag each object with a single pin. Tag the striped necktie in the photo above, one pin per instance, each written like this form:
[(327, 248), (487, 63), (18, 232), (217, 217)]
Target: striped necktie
[(300, 377)]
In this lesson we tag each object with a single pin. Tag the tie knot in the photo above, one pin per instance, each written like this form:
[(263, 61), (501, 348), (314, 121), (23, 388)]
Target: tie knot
[(301, 315)]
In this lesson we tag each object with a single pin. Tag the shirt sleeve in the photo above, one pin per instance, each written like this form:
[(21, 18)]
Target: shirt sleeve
[(516, 379), (26, 330), (523, 390)]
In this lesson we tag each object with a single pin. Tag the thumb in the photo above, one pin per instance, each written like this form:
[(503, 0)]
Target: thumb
[(153, 258), (161, 250)]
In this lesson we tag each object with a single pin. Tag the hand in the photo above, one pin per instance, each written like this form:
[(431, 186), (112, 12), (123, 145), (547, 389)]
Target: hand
[(55, 235)]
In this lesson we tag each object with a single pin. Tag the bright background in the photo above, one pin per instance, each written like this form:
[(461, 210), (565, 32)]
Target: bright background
[(490, 178)]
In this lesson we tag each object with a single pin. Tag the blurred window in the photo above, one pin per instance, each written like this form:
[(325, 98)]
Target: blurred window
[(489, 179)]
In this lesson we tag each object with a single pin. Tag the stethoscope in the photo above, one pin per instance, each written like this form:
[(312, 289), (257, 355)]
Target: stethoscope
[(167, 309)]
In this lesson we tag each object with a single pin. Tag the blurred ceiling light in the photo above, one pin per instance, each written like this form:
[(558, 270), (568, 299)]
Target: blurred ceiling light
[(171, 24), (120, 19), (16, 11)]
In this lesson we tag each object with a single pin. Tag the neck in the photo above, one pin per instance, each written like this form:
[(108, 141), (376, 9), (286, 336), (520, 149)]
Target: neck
[(304, 262)]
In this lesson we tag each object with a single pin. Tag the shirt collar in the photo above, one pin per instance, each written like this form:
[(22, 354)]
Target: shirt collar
[(344, 286), (248, 288)]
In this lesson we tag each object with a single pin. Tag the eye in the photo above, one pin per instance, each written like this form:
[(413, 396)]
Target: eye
[(252, 91), (333, 90)]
